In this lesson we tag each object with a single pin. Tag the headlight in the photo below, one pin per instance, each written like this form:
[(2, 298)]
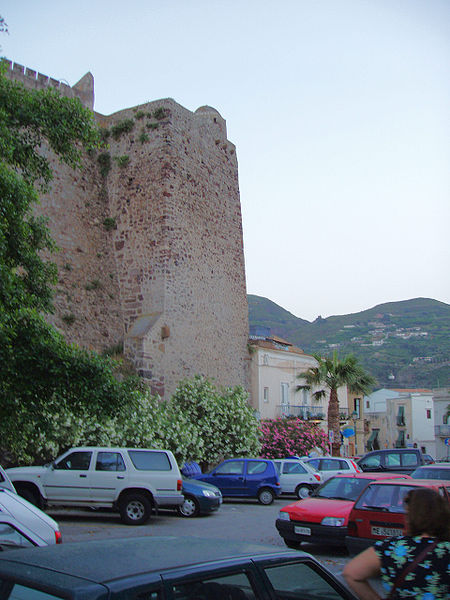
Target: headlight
[(284, 516), (334, 521), (208, 493)]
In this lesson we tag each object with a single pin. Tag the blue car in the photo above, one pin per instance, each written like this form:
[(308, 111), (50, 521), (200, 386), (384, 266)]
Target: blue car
[(200, 498), (246, 478)]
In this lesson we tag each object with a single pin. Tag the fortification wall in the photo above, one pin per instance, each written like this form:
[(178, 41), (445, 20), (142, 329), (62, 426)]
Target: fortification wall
[(151, 251)]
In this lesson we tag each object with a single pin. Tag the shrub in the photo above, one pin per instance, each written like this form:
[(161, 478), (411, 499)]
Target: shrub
[(122, 161), (122, 127), (109, 223), (290, 436), (104, 161)]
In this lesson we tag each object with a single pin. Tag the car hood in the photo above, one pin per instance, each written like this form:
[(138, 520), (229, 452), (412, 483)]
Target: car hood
[(197, 485), (315, 509), (20, 471)]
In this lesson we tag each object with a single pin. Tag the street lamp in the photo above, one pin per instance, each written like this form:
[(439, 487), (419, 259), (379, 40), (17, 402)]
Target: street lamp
[(354, 417)]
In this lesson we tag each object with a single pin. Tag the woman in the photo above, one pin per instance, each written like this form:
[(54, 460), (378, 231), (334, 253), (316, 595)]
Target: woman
[(428, 528)]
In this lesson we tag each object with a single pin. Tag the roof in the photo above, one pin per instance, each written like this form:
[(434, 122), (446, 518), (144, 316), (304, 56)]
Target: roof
[(272, 344), (415, 482), (102, 561), (412, 390)]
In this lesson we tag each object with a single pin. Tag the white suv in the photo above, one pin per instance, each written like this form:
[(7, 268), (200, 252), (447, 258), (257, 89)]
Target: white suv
[(131, 480)]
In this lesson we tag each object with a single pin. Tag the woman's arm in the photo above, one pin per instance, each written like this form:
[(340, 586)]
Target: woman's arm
[(359, 570)]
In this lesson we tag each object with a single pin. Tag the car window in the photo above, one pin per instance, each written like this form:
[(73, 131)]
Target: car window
[(345, 488), (10, 537), (255, 467), (374, 460), (75, 461), (231, 587), (293, 468), (329, 465), (384, 497), (109, 461), (344, 465), (22, 592), (300, 581), (143, 460), (231, 467), (314, 463), (409, 458), (392, 459)]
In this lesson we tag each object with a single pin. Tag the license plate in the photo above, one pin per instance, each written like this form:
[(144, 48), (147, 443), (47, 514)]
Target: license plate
[(302, 530), (386, 531)]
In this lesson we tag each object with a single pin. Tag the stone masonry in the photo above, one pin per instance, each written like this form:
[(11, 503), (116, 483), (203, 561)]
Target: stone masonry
[(150, 238)]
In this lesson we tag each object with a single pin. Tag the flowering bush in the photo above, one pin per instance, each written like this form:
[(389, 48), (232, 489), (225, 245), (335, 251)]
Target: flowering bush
[(290, 436)]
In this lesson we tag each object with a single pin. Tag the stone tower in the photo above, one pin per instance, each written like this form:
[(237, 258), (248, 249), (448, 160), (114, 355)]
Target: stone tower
[(150, 238)]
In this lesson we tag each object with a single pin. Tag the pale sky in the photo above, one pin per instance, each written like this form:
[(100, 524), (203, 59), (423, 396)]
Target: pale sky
[(339, 110)]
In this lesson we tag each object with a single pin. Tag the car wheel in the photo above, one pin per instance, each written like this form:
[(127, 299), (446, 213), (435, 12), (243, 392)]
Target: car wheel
[(189, 508), (135, 509), (302, 491), (266, 496), (29, 495), (292, 544)]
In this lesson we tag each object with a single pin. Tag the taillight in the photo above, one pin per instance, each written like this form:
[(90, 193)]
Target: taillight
[(358, 469), (317, 477), (58, 537), (179, 485)]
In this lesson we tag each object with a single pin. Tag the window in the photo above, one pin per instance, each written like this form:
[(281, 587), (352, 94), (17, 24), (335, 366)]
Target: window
[(300, 580), (230, 586), (231, 467), (368, 404), (372, 442), (22, 592), (256, 466), (392, 459), (343, 466), (75, 461), (401, 416), (409, 458), (400, 442), (371, 461), (293, 467), (357, 405), (265, 359), (109, 461), (143, 460), (428, 413), (266, 394), (10, 537)]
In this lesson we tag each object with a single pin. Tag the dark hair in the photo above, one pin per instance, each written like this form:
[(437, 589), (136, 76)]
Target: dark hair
[(427, 512)]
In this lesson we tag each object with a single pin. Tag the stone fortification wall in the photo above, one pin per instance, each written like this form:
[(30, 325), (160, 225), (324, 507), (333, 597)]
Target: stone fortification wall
[(151, 254)]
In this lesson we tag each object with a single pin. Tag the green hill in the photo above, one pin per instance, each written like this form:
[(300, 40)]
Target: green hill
[(403, 344)]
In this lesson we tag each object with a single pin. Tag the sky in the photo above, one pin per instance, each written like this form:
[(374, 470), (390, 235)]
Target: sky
[(339, 110)]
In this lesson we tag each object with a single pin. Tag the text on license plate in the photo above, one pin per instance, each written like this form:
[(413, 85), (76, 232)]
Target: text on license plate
[(302, 530), (386, 531)]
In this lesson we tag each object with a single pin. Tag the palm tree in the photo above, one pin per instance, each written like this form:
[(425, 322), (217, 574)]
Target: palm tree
[(333, 373)]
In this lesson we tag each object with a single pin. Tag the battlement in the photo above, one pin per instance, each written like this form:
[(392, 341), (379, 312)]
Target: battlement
[(33, 80)]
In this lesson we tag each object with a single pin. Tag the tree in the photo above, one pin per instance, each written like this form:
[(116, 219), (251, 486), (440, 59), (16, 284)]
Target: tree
[(333, 373)]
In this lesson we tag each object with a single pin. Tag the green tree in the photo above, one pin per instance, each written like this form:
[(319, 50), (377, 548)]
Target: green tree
[(329, 375)]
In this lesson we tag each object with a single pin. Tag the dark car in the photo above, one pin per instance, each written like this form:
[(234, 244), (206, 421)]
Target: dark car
[(153, 568), (200, 498), (379, 512), (393, 460), (322, 518), (245, 477), (435, 471)]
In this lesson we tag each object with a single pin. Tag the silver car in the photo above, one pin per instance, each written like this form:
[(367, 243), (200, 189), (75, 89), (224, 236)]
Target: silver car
[(297, 477), (329, 466)]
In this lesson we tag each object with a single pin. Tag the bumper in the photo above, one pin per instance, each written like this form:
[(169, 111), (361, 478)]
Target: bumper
[(319, 534), (355, 545), (208, 505), (169, 501)]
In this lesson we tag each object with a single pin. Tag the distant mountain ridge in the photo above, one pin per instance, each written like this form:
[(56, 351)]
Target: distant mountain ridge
[(403, 344)]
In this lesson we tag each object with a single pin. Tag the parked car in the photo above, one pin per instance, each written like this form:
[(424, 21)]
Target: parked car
[(297, 477), (5, 481), (379, 511), (155, 567), (329, 466), (27, 519), (428, 459), (394, 460), (435, 471), (200, 498), (322, 518), (130, 480), (245, 477)]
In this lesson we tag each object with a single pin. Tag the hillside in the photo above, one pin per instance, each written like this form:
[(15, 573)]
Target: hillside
[(403, 344)]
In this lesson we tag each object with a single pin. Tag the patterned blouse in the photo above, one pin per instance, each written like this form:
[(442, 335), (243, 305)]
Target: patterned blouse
[(429, 580)]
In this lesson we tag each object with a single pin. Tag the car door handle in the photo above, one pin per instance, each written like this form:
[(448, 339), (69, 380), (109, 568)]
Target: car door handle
[(120, 477), (81, 475)]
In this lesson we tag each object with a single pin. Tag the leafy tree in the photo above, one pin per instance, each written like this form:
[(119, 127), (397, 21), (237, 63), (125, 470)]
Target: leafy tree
[(332, 373), (290, 437)]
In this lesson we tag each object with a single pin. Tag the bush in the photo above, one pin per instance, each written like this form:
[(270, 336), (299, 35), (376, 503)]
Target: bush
[(290, 437)]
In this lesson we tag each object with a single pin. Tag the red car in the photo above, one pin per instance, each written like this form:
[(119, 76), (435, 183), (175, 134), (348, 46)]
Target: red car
[(322, 517), (379, 511)]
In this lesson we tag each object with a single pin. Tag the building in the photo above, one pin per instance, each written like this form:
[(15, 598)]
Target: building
[(441, 400), (150, 235)]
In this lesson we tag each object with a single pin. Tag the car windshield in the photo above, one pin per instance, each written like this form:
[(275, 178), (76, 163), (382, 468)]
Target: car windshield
[(435, 473), (341, 488)]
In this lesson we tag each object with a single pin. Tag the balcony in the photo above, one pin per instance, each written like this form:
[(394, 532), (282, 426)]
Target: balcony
[(442, 430), (303, 411)]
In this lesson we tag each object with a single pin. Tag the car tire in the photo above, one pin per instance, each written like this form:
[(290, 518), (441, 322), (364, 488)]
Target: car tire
[(135, 509), (303, 491), (292, 544), (190, 507), (30, 495), (266, 496)]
